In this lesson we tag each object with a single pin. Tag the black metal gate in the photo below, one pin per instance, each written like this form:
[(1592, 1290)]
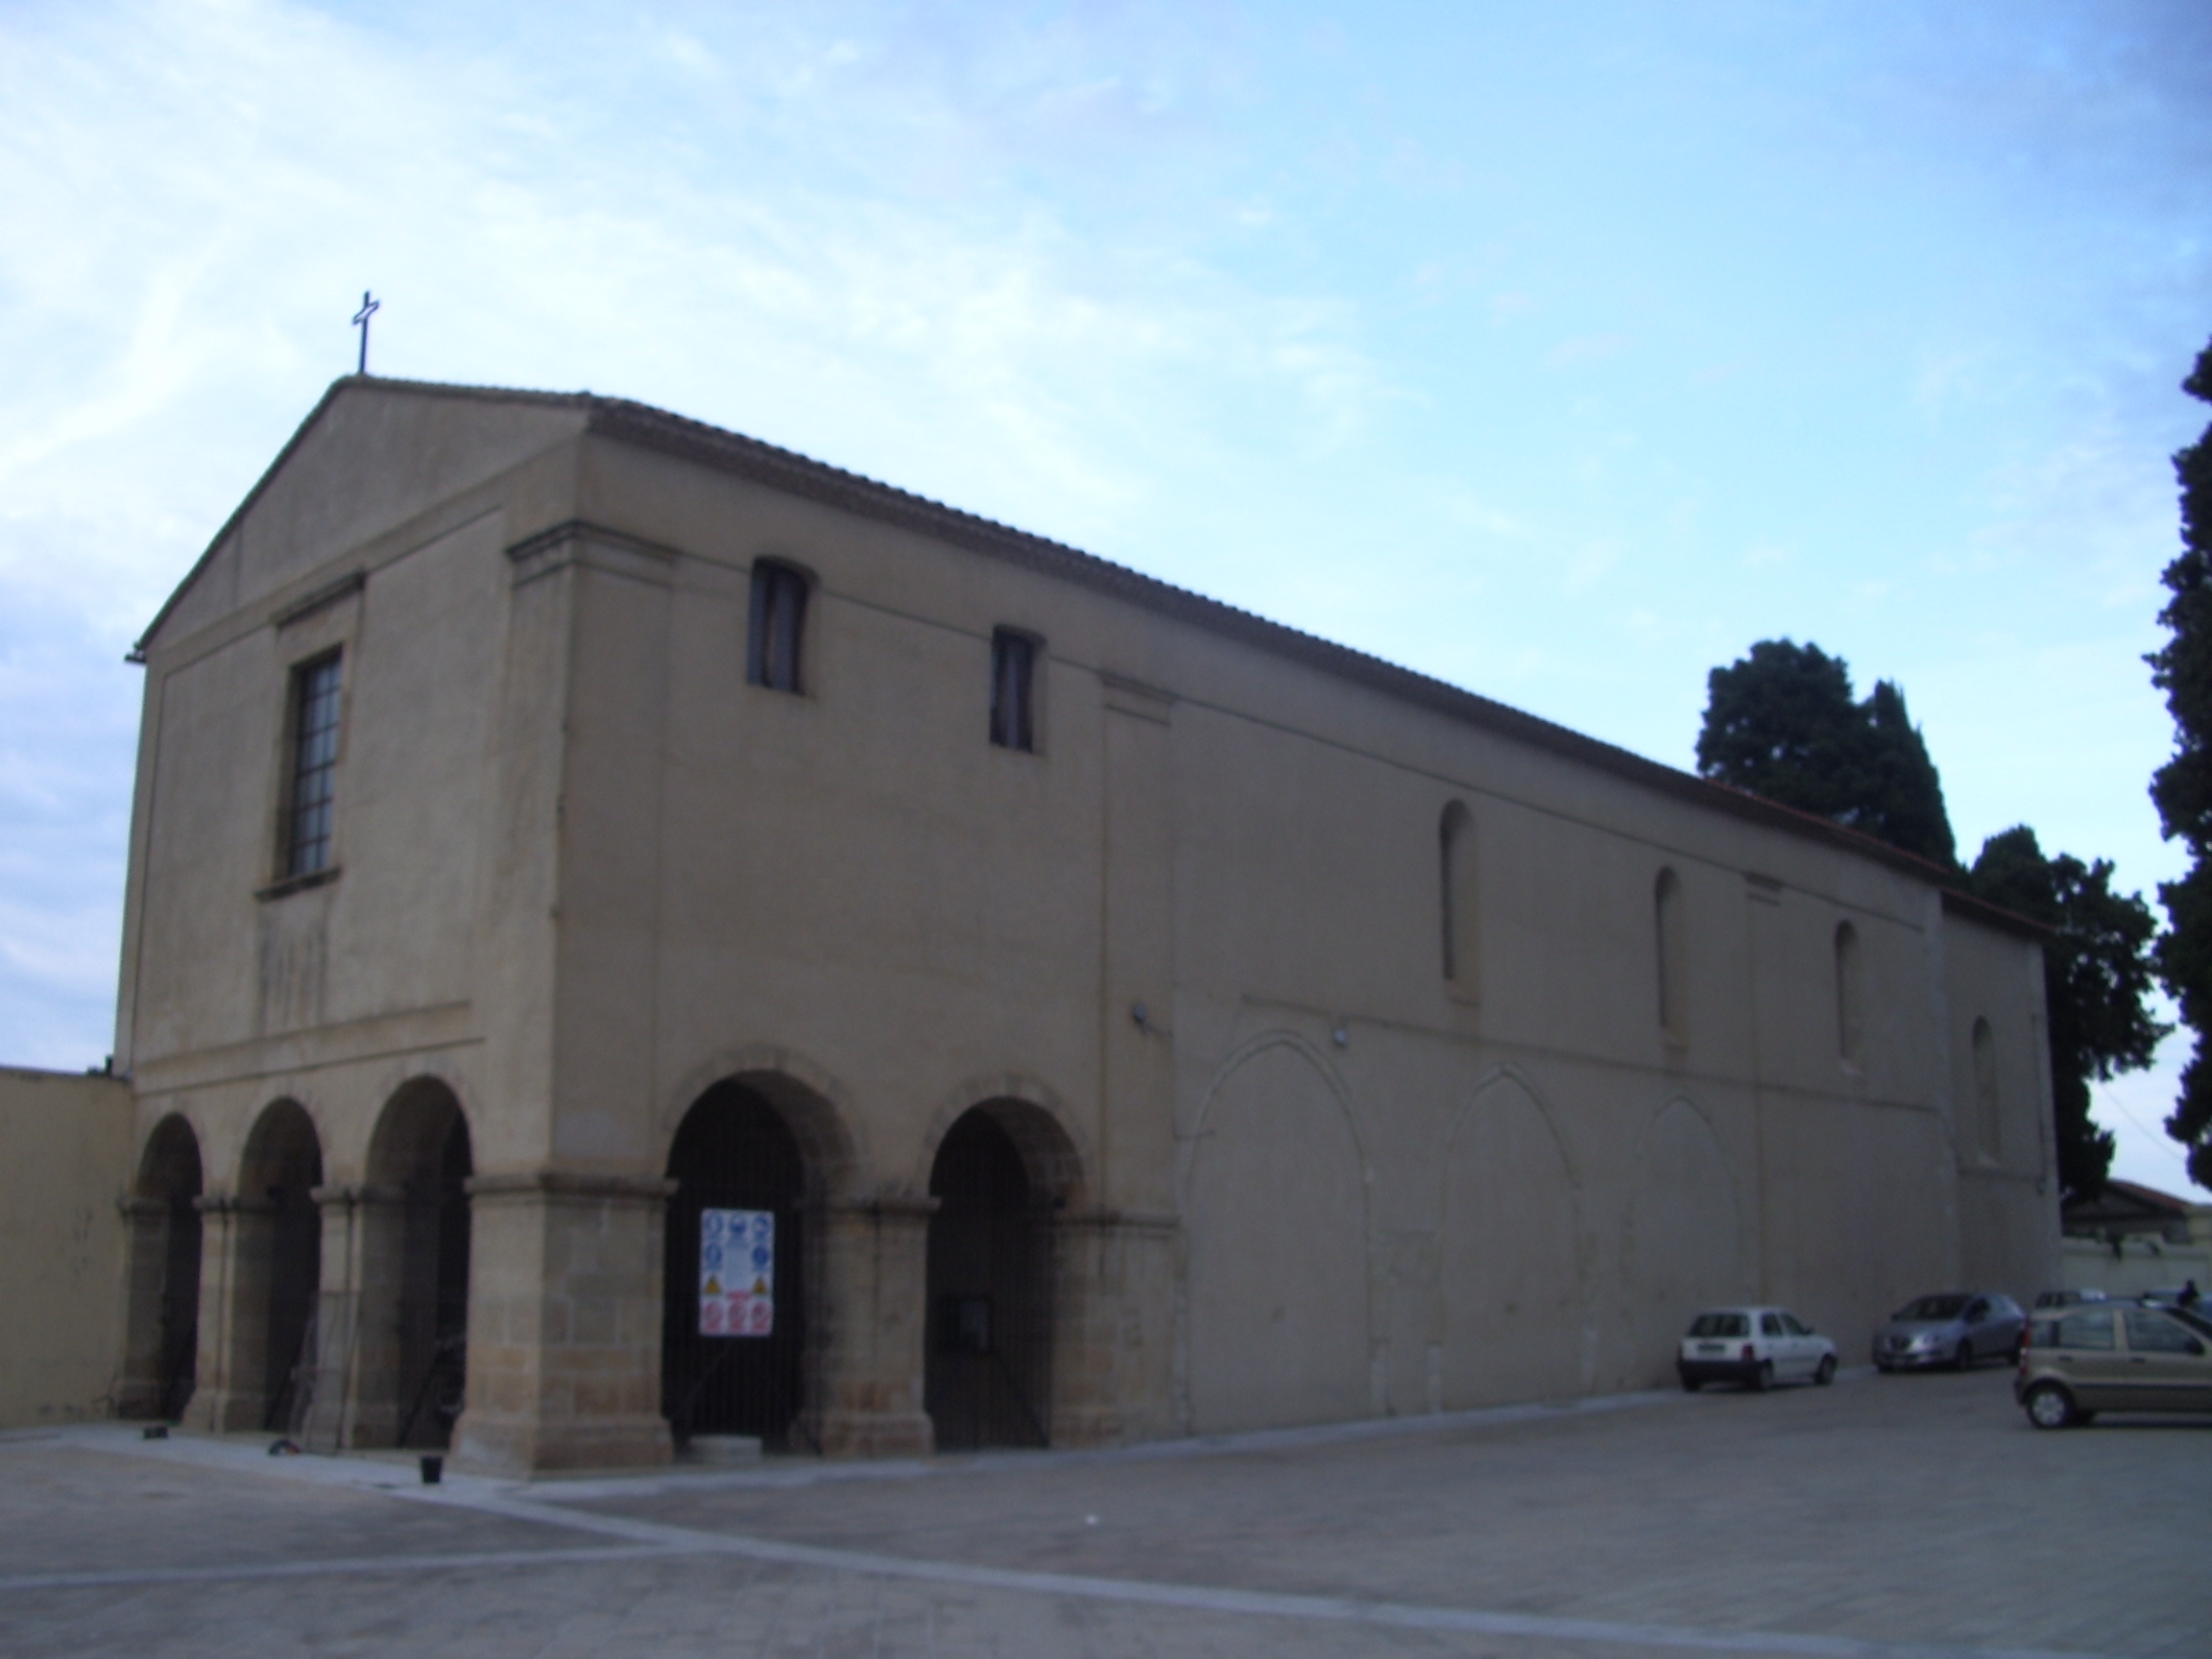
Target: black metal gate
[(734, 1152), (180, 1306), (435, 1361), (987, 1378)]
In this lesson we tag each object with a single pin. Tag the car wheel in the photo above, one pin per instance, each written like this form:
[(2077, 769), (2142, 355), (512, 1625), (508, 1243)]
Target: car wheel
[(1762, 1379), (1826, 1374), (1963, 1359), (1690, 1385), (2051, 1406)]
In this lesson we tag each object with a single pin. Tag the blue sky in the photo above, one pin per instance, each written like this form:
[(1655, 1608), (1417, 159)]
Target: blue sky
[(1557, 350)]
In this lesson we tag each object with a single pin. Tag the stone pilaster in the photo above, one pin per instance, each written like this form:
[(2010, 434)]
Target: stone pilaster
[(1113, 1329), (868, 1330), (565, 1310), (236, 1261)]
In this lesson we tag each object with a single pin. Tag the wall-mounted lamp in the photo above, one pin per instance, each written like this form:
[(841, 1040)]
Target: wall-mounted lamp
[(1340, 1037), (1141, 1014)]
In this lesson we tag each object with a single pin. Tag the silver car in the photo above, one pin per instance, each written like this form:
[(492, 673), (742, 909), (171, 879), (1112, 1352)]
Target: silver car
[(1954, 1328)]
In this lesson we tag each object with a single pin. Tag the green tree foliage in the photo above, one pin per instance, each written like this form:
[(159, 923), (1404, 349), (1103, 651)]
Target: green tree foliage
[(2182, 787), (2097, 970), (1782, 722)]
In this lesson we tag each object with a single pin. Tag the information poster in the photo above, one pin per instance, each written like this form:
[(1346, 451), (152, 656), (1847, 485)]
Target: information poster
[(736, 1272)]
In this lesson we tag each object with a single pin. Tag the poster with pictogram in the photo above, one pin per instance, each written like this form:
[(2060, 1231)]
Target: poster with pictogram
[(736, 1272)]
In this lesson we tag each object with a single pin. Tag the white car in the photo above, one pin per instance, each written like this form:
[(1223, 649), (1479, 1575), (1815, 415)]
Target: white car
[(1757, 1346)]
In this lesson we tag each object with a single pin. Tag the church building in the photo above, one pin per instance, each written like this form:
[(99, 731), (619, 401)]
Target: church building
[(634, 935)]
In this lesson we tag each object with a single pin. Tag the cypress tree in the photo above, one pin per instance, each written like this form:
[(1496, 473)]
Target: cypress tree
[(2182, 788)]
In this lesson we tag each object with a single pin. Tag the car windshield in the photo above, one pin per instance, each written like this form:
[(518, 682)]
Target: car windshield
[(1933, 1308), (1721, 1325)]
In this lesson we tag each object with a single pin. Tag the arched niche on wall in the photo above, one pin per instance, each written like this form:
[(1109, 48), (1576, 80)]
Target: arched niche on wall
[(161, 1338)]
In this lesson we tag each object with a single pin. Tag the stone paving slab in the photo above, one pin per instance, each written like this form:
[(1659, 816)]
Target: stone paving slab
[(1871, 1521)]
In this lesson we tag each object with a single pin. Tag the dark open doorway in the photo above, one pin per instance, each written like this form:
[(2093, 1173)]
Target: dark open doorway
[(734, 1152), (415, 1307), (282, 1227), (161, 1358), (987, 1376)]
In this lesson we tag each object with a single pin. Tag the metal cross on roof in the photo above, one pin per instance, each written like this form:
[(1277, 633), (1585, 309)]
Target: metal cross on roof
[(369, 309)]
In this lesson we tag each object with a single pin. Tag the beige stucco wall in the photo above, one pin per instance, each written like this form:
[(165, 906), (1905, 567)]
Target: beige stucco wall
[(587, 871), (65, 1144)]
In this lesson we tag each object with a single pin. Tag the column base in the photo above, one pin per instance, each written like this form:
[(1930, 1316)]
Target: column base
[(521, 1446), (845, 1434)]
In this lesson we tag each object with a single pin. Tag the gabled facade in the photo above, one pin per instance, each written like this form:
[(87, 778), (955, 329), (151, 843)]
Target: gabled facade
[(566, 833)]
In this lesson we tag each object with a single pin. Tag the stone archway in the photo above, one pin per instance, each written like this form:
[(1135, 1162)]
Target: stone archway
[(412, 1328), (276, 1246), (1001, 1170), (738, 1282), (162, 1342)]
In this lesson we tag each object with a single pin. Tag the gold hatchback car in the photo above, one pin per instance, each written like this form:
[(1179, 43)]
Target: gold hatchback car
[(2114, 1356)]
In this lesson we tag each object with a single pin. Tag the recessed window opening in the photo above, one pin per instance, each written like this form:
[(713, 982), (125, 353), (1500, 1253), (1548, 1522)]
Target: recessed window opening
[(1673, 990), (1850, 998), (1456, 849), (315, 688), (1013, 690), (777, 627), (1988, 1107)]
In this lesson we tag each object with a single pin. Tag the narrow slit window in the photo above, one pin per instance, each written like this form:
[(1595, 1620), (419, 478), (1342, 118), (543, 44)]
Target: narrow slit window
[(777, 627), (1989, 1104), (1456, 838), (315, 687), (1673, 990), (1013, 690), (1850, 998)]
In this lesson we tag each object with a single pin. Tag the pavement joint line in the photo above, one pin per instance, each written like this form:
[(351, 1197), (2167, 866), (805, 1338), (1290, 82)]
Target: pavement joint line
[(652, 1540)]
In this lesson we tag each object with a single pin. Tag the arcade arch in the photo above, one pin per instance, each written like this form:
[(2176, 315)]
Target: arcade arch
[(412, 1327), (162, 1340), (279, 1269), (753, 1161), (1001, 1171)]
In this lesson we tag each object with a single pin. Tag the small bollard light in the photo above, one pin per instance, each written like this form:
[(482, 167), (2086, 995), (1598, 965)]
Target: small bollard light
[(433, 1468)]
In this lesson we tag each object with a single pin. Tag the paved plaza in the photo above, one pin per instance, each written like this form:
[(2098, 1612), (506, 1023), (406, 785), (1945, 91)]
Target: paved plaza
[(1880, 1518)]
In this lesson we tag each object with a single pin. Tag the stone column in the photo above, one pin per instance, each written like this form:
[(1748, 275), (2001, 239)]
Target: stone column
[(146, 1230), (1113, 1327), (234, 1312), (871, 1316), (357, 1348), (564, 1323)]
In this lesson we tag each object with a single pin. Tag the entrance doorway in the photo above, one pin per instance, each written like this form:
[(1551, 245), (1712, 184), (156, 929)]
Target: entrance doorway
[(734, 1152), (282, 1255), (987, 1374), (421, 1149)]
